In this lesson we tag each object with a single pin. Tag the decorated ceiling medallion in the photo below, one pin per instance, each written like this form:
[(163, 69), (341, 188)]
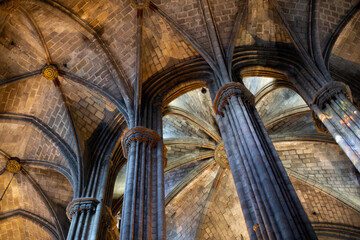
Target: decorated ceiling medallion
[(50, 72), (9, 6), (221, 157), (140, 4), (13, 165)]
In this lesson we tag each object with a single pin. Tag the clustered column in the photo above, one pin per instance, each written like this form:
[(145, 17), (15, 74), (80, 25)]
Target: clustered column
[(88, 213), (333, 107), (270, 205), (142, 205)]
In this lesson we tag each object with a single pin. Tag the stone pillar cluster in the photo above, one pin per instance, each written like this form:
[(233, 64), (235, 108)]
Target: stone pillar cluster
[(334, 108), (270, 205), (139, 220)]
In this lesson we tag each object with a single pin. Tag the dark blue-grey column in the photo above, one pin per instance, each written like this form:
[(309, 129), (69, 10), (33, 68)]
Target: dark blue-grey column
[(333, 106), (270, 205), (143, 197), (88, 214)]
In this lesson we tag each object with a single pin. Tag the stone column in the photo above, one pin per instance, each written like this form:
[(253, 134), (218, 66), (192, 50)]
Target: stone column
[(334, 108), (270, 205), (143, 205), (88, 213)]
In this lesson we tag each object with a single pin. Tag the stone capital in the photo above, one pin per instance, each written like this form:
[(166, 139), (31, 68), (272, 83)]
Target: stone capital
[(80, 205), (319, 125), (329, 91), (229, 90), (140, 134)]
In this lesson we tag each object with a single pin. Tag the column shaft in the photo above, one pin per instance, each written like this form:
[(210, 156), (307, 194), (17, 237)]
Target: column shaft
[(334, 108), (265, 191), (141, 205)]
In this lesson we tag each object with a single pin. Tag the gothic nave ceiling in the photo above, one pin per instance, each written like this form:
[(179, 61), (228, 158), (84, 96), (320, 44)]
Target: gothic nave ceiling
[(101, 55), (199, 187)]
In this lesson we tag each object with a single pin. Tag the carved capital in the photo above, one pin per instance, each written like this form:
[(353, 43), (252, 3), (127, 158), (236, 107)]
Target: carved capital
[(329, 91), (319, 126), (80, 205), (140, 134), (229, 90)]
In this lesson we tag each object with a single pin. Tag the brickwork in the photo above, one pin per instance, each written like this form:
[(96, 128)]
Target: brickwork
[(254, 84), (175, 126), (262, 28), (55, 185), (297, 125), (198, 104), (176, 151), (320, 207), (174, 177), (21, 52), (224, 218), (187, 14), (87, 107), (331, 12), (18, 194), (224, 14), (16, 136), (162, 46), (22, 228), (324, 163), (343, 58), (268, 109), (38, 97), (184, 212), (72, 48), (297, 15)]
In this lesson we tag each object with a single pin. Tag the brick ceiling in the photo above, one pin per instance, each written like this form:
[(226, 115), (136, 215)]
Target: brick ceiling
[(101, 56)]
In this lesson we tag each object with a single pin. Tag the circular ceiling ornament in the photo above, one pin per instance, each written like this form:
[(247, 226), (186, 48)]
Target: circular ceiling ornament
[(13, 165), (50, 72), (221, 157), (140, 4), (9, 6)]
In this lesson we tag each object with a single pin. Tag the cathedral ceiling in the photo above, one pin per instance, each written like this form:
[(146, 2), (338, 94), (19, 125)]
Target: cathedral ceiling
[(105, 49)]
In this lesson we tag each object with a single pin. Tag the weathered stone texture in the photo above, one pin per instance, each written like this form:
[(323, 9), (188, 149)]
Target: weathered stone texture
[(17, 196), (70, 44), (55, 185), (199, 104), (269, 111), (18, 227), (175, 126), (38, 97), (174, 177), (21, 51), (296, 13), (322, 208), (184, 212), (262, 28), (176, 151), (225, 13), (323, 163), (188, 15), (87, 107), (15, 139), (162, 46), (331, 12), (224, 218), (345, 59)]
